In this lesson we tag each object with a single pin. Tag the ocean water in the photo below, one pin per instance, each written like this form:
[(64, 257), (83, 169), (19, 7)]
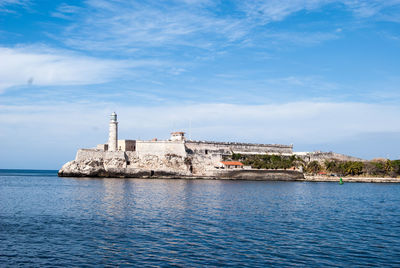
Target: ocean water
[(51, 221)]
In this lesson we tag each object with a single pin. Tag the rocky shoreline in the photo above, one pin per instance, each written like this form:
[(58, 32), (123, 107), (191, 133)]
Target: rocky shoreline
[(101, 164), (252, 175)]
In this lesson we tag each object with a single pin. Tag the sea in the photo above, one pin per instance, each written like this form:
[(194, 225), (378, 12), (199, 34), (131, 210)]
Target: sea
[(46, 221)]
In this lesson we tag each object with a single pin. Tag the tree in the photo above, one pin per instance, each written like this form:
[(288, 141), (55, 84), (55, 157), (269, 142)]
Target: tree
[(354, 168), (394, 168), (236, 156), (333, 166), (313, 167)]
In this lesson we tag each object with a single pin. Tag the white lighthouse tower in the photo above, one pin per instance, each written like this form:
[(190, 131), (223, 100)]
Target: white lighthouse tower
[(113, 133)]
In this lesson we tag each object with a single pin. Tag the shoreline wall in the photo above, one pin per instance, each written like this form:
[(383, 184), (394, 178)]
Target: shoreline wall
[(261, 174)]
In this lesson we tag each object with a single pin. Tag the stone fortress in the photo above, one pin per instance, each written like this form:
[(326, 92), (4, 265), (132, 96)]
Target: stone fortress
[(176, 157)]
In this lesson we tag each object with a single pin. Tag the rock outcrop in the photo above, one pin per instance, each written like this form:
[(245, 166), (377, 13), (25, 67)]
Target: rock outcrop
[(98, 163)]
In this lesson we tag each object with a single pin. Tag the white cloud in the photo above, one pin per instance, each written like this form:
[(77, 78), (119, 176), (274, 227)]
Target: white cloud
[(311, 122), (115, 25), (13, 2), (46, 67), (59, 130), (277, 10), (112, 25), (380, 10), (65, 11), (6, 5)]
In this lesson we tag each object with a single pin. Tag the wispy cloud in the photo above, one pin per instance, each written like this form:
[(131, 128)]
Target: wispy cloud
[(301, 38), (306, 82), (276, 10), (136, 25), (65, 11), (8, 5), (13, 2), (38, 65), (387, 10), (139, 24), (231, 53)]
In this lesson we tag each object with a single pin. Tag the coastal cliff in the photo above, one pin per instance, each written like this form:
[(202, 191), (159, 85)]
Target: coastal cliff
[(97, 163)]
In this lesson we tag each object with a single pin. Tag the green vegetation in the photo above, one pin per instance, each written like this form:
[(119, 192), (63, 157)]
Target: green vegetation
[(313, 167), (344, 168), (377, 167), (382, 167), (268, 161)]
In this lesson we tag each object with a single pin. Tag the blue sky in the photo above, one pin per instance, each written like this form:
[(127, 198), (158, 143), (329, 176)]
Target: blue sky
[(319, 74)]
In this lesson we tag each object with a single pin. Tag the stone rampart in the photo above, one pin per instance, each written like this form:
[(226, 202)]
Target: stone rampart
[(323, 156), (235, 147), (93, 154), (126, 145), (161, 148)]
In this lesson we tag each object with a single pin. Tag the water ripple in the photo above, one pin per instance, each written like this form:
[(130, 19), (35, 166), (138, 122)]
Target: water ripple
[(49, 221)]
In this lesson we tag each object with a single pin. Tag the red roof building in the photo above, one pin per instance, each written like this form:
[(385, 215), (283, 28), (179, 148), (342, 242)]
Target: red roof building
[(232, 164)]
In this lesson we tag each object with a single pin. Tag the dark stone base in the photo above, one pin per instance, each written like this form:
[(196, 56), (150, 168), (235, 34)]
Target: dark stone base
[(261, 175)]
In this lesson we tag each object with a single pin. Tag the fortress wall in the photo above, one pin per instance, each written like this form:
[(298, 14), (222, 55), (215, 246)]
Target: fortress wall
[(322, 156), (284, 149), (102, 147), (211, 148), (98, 155), (160, 148), (127, 145), (90, 154), (114, 155), (229, 147)]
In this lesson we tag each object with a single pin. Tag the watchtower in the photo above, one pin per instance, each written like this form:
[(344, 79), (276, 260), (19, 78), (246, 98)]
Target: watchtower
[(177, 136), (113, 133)]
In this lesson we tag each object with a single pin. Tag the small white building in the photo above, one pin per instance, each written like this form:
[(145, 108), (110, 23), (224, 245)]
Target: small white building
[(178, 136)]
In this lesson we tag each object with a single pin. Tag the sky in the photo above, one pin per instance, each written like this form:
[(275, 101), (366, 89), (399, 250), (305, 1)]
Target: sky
[(318, 74)]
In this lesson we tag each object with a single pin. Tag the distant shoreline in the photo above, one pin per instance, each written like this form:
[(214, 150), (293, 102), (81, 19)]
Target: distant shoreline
[(321, 178), (277, 177)]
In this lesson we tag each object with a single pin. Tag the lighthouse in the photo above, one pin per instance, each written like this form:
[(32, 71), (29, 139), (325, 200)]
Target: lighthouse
[(113, 133)]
